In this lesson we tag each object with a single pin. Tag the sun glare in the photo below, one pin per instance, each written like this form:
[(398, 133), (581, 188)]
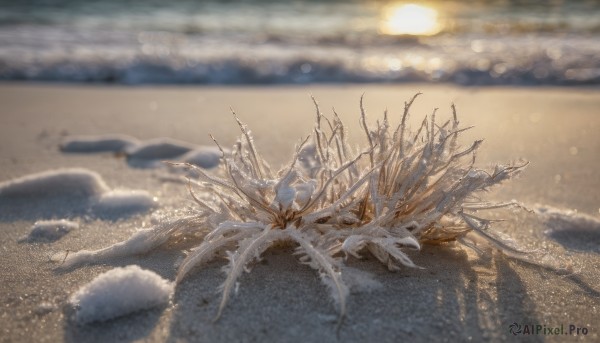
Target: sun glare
[(409, 19)]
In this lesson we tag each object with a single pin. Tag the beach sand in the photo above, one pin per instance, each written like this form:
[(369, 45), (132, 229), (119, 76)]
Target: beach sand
[(459, 296)]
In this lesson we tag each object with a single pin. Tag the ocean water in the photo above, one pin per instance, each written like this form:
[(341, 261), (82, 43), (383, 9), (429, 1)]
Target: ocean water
[(303, 41)]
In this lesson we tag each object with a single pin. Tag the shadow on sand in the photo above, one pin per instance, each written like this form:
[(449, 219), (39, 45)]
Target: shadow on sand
[(457, 297), (452, 299)]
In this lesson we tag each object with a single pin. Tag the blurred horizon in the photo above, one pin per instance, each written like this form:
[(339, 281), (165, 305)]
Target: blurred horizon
[(301, 41)]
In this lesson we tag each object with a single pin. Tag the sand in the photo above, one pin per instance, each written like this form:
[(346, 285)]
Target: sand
[(458, 296)]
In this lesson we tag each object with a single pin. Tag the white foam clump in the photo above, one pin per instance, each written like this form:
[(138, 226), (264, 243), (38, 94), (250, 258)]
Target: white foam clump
[(125, 200), (560, 219), (159, 148), (145, 154), (59, 182), (87, 186), (50, 230), (101, 143), (119, 292), (204, 157)]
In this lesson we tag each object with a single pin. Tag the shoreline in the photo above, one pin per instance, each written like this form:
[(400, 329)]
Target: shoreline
[(416, 85)]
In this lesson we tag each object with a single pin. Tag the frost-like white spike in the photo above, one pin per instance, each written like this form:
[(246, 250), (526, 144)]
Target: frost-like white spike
[(353, 244), (207, 251), (227, 227), (389, 246), (249, 249), (141, 242), (408, 241), (325, 263)]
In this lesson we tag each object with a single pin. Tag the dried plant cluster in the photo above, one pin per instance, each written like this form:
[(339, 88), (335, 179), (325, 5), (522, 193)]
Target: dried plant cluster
[(404, 189)]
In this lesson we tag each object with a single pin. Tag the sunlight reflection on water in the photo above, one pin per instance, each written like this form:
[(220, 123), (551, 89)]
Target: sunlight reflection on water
[(410, 19)]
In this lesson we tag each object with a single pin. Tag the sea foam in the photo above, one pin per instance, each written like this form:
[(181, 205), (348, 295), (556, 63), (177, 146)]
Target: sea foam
[(59, 182), (84, 187), (50, 230), (125, 200), (101, 143), (203, 157), (573, 230), (159, 148), (119, 292), (145, 154)]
